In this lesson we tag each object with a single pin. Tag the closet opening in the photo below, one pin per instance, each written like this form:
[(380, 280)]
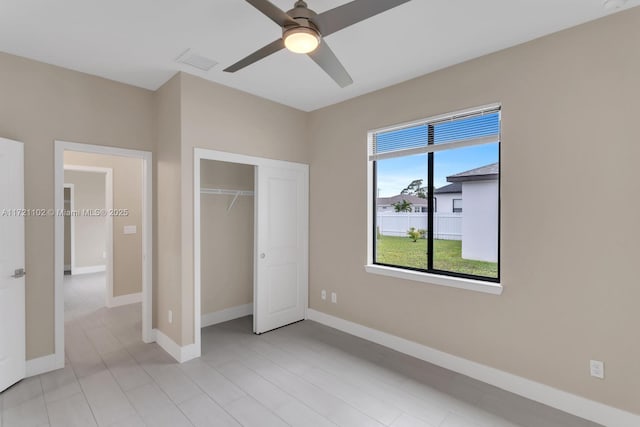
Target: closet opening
[(227, 241), (250, 242)]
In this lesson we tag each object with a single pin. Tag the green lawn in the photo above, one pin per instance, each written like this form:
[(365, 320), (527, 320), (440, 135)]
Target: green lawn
[(402, 251)]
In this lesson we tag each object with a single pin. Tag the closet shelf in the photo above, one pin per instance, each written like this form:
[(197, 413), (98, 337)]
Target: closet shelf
[(227, 192)]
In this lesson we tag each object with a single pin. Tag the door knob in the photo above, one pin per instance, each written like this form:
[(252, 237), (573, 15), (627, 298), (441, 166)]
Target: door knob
[(19, 273)]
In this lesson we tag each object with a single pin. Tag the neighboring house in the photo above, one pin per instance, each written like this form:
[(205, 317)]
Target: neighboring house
[(480, 192), (448, 198), (385, 204), (475, 222)]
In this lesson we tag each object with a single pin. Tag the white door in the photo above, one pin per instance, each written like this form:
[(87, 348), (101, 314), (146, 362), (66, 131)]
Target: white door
[(12, 302), (282, 228)]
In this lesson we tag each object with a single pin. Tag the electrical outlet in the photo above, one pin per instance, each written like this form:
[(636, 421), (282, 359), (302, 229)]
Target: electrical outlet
[(323, 294), (334, 297), (170, 316), (596, 367)]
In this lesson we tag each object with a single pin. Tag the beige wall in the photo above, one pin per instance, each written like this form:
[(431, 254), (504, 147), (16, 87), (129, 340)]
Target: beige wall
[(167, 213), (90, 231), (226, 237), (127, 194), (569, 150), (41, 103)]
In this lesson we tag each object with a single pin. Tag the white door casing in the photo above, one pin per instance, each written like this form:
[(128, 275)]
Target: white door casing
[(281, 282), (12, 282)]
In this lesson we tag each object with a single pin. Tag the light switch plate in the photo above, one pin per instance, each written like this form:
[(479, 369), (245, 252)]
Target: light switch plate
[(130, 229), (596, 368)]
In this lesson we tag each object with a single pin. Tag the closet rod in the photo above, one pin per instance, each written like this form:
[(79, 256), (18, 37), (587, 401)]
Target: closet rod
[(227, 192)]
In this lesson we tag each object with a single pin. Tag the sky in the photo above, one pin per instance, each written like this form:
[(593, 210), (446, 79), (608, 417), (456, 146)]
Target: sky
[(396, 173)]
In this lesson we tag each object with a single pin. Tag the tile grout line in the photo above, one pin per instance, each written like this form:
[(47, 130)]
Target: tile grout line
[(46, 405), (315, 365), (357, 386), (260, 403), (300, 378), (215, 402), (107, 369)]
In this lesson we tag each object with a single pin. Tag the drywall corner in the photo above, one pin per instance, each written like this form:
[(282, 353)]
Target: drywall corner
[(167, 256)]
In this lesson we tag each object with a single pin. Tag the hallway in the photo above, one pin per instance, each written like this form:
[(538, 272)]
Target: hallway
[(83, 294)]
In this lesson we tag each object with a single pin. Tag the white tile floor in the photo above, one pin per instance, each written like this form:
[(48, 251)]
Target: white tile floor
[(83, 294), (301, 375)]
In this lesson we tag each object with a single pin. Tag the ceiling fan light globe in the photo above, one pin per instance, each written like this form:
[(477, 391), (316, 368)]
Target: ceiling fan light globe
[(301, 40)]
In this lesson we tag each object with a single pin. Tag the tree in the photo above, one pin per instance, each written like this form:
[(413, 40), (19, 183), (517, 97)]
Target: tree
[(402, 206), (415, 188), (414, 234)]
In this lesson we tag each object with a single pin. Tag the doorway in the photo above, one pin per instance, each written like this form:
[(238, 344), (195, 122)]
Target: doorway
[(276, 254), (88, 271), (120, 226), (227, 220)]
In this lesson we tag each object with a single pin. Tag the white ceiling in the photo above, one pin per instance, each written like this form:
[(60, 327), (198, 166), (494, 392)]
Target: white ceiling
[(137, 41)]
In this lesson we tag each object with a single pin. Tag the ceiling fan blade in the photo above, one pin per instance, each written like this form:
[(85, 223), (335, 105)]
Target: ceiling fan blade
[(351, 13), (273, 12), (269, 49), (327, 60)]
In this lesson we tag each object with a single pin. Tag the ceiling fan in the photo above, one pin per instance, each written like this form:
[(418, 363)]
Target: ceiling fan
[(303, 31)]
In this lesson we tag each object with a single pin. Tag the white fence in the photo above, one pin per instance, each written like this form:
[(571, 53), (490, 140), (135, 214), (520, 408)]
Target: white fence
[(446, 226)]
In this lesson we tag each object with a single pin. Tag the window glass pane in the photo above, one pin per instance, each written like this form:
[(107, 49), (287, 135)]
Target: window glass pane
[(466, 241), (473, 127), (401, 212)]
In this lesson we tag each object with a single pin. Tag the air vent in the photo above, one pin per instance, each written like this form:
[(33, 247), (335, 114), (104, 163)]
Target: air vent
[(192, 59), (611, 5)]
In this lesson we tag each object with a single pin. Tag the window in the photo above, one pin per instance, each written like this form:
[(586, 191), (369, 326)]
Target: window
[(457, 154)]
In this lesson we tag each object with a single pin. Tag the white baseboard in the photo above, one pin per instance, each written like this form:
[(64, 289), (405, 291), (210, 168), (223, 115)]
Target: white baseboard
[(89, 269), (562, 400), (124, 300), (43, 364), (149, 337), (180, 353), (226, 315)]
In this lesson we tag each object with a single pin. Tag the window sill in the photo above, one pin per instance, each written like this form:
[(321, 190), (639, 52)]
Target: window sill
[(436, 279)]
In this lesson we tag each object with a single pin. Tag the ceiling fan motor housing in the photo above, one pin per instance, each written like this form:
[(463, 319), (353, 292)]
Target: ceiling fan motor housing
[(304, 17)]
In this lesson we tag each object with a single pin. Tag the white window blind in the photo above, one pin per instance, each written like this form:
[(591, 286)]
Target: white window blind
[(460, 129)]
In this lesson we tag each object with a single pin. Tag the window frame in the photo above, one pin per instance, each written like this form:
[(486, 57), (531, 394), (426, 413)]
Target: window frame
[(432, 276), (453, 205)]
